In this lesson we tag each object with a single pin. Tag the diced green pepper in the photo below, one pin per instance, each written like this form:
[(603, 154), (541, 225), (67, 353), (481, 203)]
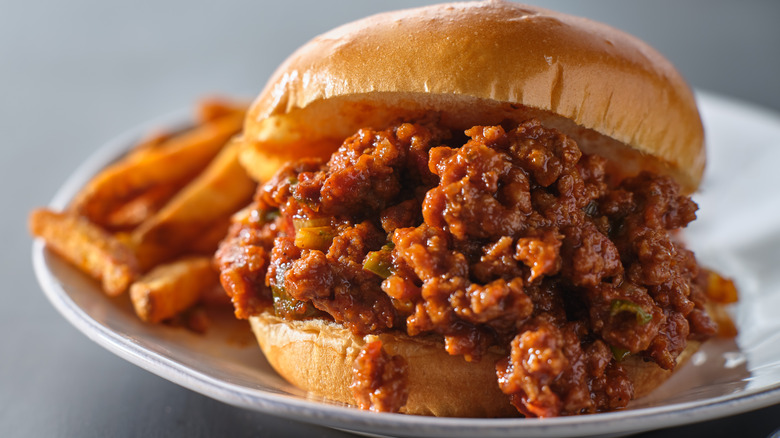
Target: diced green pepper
[(271, 215), (618, 306), (257, 216), (380, 262), (286, 306), (619, 353)]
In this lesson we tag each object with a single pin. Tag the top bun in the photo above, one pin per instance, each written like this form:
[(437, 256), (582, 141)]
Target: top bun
[(481, 63)]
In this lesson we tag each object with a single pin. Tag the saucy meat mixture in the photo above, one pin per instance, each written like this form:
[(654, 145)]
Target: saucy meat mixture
[(508, 237)]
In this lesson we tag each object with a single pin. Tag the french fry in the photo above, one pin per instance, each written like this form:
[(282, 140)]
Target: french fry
[(719, 289), (171, 288), (213, 196), (197, 320), (208, 242), (131, 214), (212, 108), (169, 197), (134, 211), (88, 247), (150, 143), (179, 160), (215, 296)]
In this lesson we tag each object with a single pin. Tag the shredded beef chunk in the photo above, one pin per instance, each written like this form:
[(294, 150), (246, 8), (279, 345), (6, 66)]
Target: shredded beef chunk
[(508, 238)]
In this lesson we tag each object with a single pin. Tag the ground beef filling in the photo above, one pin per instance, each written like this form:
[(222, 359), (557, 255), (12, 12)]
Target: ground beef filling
[(508, 237), (379, 382)]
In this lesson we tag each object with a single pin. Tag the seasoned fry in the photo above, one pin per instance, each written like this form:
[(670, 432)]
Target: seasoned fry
[(208, 242), (151, 222), (172, 288), (87, 246), (212, 197), (179, 160), (197, 320), (718, 288), (721, 317), (212, 108), (128, 216), (216, 297), (150, 143)]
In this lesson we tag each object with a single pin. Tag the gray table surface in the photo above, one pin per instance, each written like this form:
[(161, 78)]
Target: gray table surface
[(74, 74)]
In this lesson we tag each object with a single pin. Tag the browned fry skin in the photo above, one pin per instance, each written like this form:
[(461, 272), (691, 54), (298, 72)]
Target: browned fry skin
[(131, 214), (204, 203), (171, 195), (213, 108), (215, 296), (153, 141), (208, 242), (87, 246), (718, 289), (169, 289), (510, 237), (179, 160), (197, 320)]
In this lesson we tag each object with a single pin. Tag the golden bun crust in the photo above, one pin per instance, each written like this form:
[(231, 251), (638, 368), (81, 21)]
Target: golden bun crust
[(318, 356), (481, 63)]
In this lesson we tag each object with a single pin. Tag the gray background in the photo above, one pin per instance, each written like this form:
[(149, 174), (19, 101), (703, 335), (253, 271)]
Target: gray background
[(73, 74)]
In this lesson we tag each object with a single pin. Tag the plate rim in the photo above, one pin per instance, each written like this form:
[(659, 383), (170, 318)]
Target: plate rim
[(351, 419)]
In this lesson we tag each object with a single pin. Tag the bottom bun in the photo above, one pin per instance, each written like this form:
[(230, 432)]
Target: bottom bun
[(318, 356), (647, 376)]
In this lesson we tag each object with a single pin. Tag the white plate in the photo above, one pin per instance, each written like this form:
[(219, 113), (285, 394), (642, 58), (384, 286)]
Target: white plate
[(737, 233)]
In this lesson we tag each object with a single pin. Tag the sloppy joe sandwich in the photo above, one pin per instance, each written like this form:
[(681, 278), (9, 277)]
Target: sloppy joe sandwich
[(472, 209)]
